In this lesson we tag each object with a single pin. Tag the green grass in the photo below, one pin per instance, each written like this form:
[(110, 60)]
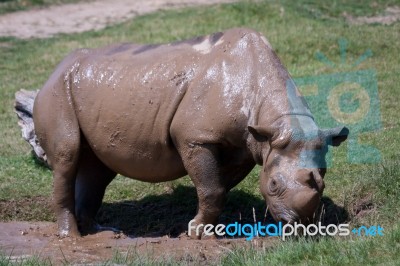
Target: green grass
[(31, 261), (369, 193), (324, 251), (332, 10)]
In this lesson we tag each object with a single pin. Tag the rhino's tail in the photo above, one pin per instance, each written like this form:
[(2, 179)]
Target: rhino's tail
[(24, 100)]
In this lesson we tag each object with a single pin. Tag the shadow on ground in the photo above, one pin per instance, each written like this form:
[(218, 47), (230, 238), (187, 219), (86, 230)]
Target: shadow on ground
[(332, 213), (169, 214)]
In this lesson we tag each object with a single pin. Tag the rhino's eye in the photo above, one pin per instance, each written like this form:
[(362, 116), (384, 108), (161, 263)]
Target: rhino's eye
[(276, 185), (273, 186)]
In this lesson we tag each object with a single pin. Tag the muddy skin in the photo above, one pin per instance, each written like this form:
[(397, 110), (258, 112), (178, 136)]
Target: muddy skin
[(211, 107)]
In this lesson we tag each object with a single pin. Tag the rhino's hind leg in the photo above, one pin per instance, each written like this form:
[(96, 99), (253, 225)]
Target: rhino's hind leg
[(63, 198), (57, 130), (92, 179), (63, 158)]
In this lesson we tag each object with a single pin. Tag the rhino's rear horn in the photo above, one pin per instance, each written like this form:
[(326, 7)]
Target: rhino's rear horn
[(335, 136)]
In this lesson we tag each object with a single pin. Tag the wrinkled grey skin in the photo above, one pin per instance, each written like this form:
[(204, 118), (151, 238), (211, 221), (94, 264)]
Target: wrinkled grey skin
[(211, 107)]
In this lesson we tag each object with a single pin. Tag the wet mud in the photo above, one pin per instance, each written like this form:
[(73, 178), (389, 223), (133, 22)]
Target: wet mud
[(21, 240)]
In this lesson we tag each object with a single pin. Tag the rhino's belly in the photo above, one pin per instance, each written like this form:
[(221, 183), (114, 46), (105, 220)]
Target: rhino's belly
[(146, 162), (133, 141), (129, 131)]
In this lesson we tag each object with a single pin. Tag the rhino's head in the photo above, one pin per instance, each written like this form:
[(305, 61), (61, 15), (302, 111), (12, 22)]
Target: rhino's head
[(294, 166)]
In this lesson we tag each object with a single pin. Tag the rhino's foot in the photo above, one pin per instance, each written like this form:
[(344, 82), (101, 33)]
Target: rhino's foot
[(93, 228), (194, 230), (67, 226), (198, 228), (203, 236)]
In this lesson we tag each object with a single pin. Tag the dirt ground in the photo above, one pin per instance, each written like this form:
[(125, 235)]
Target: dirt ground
[(390, 16), (21, 240), (84, 16), (24, 235)]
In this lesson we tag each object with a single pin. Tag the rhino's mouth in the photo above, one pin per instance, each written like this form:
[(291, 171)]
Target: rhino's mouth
[(289, 218), (284, 215)]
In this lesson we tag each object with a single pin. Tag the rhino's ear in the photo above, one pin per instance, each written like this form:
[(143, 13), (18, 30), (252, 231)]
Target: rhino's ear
[(260, 133), (335, 136)]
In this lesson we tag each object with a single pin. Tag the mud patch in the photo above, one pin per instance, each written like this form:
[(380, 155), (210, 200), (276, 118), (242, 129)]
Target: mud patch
[(363, 206), (22, 239), (153, 229), (390, 16)]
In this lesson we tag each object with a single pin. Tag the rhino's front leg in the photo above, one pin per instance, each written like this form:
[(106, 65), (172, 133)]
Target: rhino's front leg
[(201, 163)]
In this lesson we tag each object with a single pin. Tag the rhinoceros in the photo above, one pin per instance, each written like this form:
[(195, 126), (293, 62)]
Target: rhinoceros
[(210, 107)]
